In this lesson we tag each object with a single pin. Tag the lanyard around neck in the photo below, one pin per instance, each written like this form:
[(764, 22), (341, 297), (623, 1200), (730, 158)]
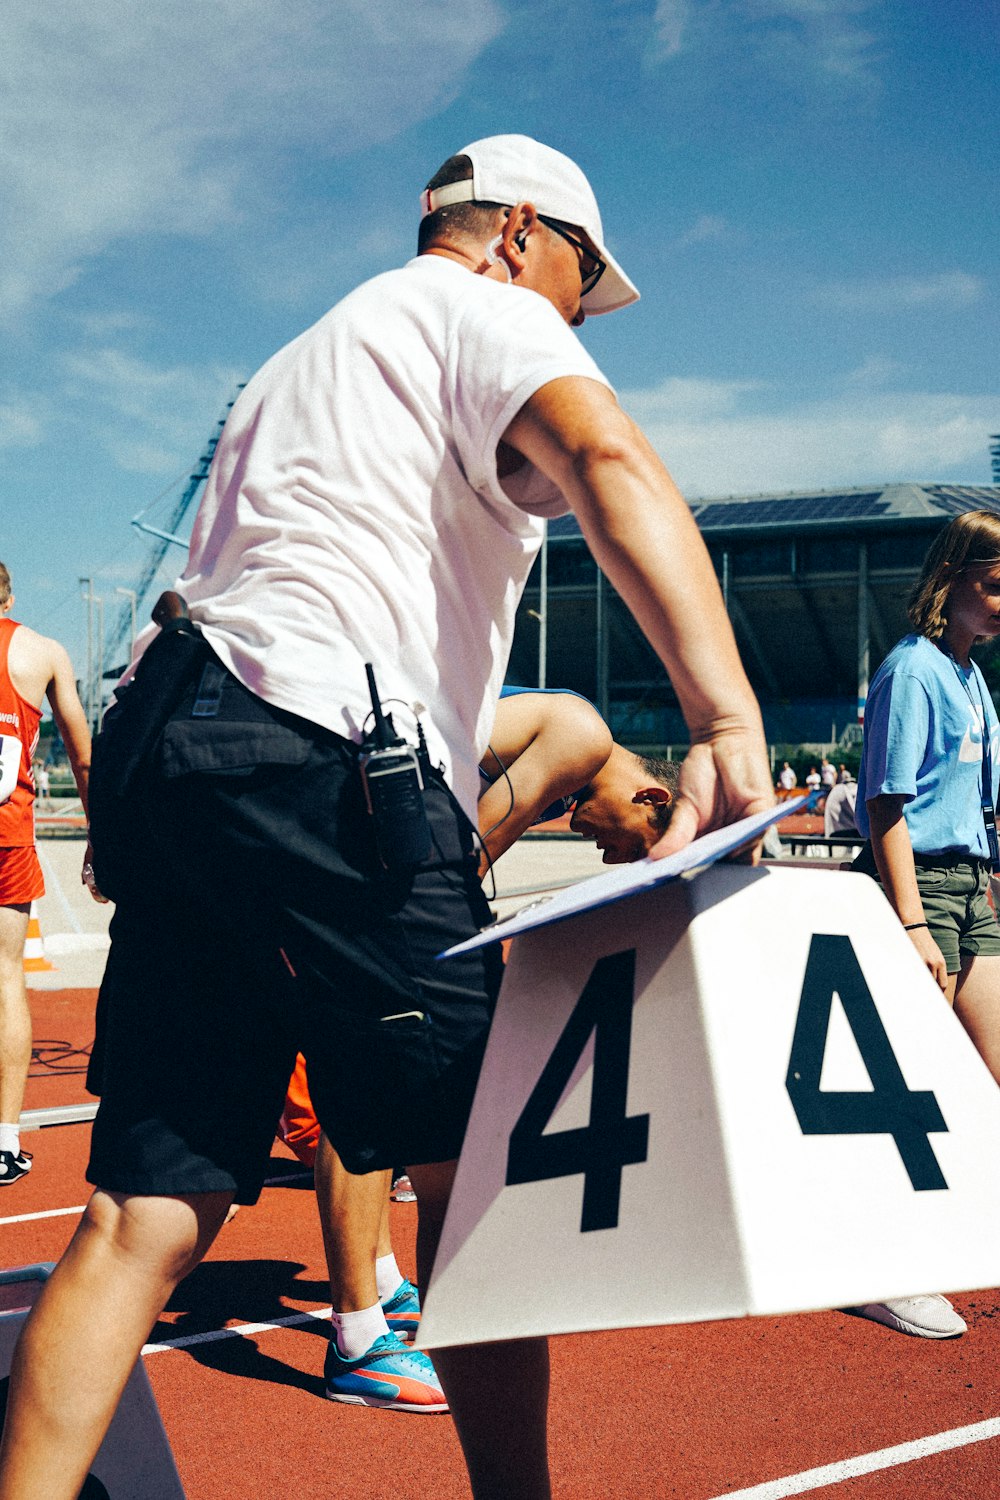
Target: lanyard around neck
[(986, 790)]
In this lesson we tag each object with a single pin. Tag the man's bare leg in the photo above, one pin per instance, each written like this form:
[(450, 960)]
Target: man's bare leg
[(15, 1017), (498, 1393), (354, 1218), (86, 1330)]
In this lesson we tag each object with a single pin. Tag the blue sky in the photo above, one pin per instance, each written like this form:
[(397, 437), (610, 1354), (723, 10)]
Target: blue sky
[(804, 191)]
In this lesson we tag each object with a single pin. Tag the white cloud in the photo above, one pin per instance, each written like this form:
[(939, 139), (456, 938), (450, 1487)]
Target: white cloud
[(705, 227), (947, 289), (875, 370), (793, 40), (118, 119), (669, 23), (689, 400), (822, 35), (118, 571), (106, 325), (148, 418), (723, 437), (21, 422)]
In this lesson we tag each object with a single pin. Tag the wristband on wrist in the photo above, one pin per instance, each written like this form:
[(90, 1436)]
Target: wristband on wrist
[(912, 926)]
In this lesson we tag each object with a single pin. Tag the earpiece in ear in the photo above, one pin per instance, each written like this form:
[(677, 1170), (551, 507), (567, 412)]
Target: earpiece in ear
[(494, 259), (521, 240)]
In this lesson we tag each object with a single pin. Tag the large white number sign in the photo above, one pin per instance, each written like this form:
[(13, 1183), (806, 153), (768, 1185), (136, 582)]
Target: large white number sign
[(10, 764), (740, 1093)]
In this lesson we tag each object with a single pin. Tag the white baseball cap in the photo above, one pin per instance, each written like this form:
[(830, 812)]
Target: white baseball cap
[(509, 169)]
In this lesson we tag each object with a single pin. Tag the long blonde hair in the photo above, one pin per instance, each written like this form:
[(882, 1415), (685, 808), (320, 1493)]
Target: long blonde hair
[(970, 540)]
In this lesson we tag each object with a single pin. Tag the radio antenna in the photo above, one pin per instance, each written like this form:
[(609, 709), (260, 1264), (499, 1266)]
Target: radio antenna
[(385, 732)]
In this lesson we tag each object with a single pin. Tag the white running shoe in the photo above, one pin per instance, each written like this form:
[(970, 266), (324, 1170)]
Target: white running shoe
[(14, 1166), (928, 1317)]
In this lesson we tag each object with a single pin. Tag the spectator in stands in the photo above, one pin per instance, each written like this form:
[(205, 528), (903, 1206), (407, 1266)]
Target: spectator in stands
[(928, 769), (827, 773), (813, 779), (839, 816), (843, 774), (787, 779)]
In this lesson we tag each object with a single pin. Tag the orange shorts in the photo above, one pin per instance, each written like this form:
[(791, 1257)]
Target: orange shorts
[(21, 879), (298, 1126)]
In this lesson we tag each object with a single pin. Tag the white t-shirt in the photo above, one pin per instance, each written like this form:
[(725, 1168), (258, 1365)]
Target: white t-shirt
[(839, 813), (353, 511)]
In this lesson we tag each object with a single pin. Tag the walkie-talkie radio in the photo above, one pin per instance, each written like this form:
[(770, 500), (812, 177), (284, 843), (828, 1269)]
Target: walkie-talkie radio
[(394, 791)]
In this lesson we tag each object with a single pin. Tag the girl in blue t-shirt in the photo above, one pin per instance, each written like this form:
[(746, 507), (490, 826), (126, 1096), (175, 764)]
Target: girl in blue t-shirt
[(931, 760), (930, 763)]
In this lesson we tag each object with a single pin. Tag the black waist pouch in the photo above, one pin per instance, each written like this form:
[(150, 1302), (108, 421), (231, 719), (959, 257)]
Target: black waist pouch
[(130, 733)]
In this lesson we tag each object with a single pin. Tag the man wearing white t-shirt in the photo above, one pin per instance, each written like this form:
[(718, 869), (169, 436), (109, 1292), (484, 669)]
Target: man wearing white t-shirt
[(378, 495)]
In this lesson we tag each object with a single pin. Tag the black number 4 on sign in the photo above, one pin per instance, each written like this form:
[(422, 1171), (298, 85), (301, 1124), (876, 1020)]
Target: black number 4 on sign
[(612, 1139), (889, 1107)]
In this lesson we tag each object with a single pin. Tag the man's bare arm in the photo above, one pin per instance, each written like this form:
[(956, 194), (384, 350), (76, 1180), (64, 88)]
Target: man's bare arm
[(67, 710), (644, 537)]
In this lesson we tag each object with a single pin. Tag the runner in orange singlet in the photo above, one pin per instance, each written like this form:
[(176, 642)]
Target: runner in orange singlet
[(31, 668)]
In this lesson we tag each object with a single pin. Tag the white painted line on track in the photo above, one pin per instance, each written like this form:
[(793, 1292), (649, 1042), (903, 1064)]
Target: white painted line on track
[(23, 1218), (45, 1213), (241, 1331), (868, 1463), (54, 885)]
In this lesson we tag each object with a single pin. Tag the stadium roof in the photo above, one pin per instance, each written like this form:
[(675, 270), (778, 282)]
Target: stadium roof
[(871, 506), (816, 583)]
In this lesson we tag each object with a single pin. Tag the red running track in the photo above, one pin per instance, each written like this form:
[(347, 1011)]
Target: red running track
[(698, 1412)]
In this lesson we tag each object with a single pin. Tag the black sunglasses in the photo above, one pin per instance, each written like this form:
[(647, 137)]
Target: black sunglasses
[(592, 267)]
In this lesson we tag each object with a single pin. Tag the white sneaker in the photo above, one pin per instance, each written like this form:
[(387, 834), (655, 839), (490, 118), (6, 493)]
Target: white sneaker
[(928, 1317), (13, 1166)]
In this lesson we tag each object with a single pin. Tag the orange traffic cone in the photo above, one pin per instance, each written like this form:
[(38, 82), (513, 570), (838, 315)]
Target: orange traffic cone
[(35, 961)]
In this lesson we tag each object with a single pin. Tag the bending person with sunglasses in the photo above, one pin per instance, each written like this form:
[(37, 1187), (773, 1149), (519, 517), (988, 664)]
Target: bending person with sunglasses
[(927, 788)]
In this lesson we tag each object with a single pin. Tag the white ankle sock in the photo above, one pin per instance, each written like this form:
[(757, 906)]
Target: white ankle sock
[(10, 1138), (388, 1277), (355, 1332)]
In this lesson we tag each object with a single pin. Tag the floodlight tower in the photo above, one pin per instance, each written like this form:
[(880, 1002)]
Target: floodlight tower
[(165, 538)]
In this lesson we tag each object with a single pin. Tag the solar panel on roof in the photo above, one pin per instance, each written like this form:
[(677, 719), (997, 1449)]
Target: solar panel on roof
[(951, 506), (956, 499), (724, 514), (721, 515), (562, 526)]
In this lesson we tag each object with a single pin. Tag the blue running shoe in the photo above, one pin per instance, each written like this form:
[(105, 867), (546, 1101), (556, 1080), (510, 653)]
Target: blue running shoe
[(402, 1312), (388, 1374)]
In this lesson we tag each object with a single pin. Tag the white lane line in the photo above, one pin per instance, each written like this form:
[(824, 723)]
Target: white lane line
[(46, 1213), (241, 1331), (867, 1463), (55, 1213), (53, 884)]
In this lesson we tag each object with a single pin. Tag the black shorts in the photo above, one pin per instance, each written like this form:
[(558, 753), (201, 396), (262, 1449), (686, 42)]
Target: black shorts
[(954, 893), (254, 920)]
